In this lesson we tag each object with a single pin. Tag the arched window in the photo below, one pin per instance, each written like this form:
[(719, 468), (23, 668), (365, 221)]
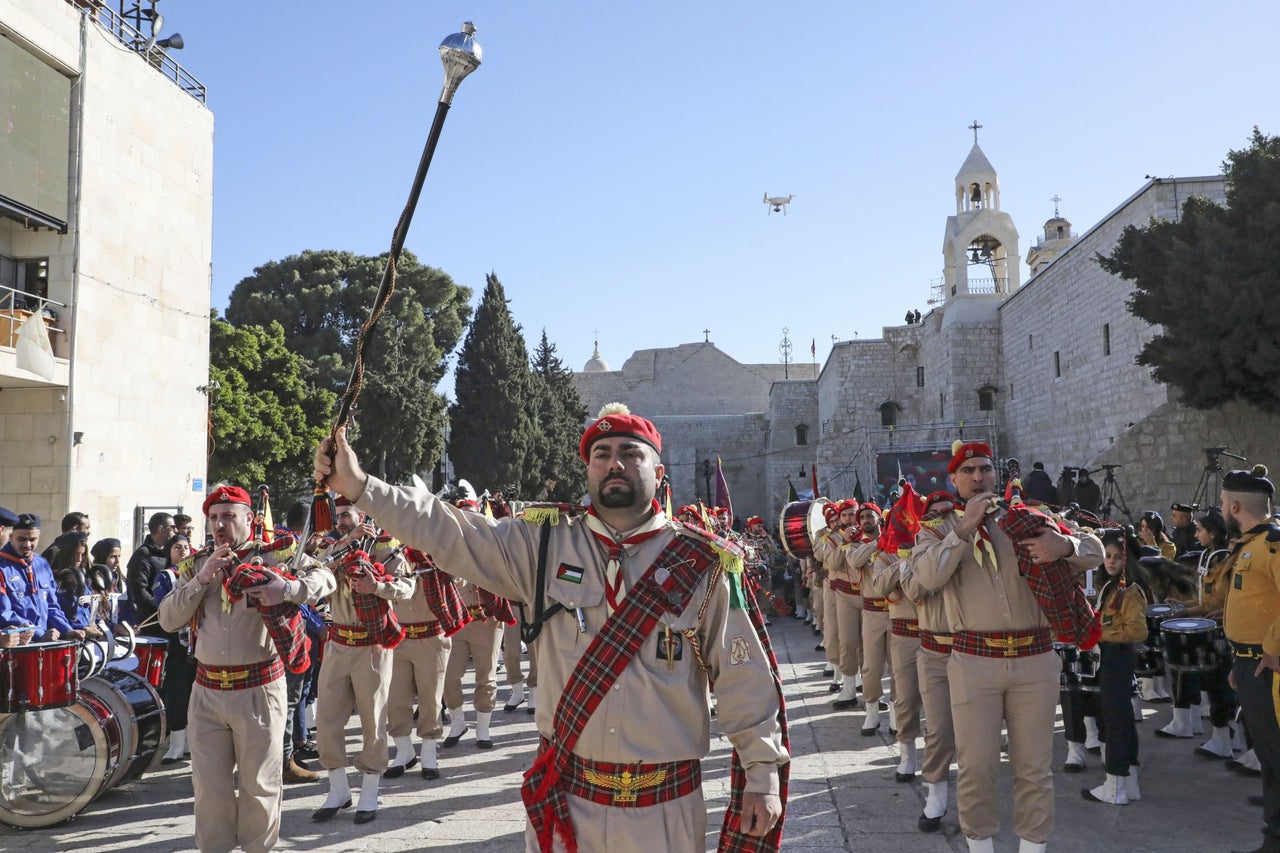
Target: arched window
[(802, 434), (986, 398), (889, 413)]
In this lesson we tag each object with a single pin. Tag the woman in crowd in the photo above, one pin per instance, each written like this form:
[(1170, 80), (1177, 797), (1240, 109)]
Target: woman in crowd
[(180, 669), (1151, 532)]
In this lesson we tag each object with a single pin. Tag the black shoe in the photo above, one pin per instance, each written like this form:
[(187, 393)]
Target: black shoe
[(365, 817), (819, 648), (531, 711), (1072, 768), (929, 824), (869, 732), (327, 813), (306, 749), (834, 687), (903, 777), (484, 744), (452, 740), (844, 704), (430, 773), (396, 771), (507, 709), (828, 672), (166, 761), (1093, 750)]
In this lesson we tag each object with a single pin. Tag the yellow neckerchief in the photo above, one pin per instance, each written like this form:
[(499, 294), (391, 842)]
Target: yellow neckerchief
[(612, 572)]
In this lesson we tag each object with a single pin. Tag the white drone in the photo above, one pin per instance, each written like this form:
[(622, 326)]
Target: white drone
[(778, 203)]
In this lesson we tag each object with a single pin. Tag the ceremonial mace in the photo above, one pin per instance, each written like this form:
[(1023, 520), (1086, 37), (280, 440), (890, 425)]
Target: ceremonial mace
[(460, 54)]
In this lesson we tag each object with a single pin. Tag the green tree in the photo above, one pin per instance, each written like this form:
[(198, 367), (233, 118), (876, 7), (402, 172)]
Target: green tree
[(264, 415), (1207, 281), (491, 432), (321, 298), (558, 428)]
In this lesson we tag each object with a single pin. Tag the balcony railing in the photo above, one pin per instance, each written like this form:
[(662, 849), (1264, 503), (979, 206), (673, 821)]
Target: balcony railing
[(124, 32), (17, 305)]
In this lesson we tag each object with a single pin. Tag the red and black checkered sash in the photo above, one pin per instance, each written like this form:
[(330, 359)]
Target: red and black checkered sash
[(283, 621), (666, 587), (374, 614), (732, 838), (441, 594), (495, 606), (1053, 584)]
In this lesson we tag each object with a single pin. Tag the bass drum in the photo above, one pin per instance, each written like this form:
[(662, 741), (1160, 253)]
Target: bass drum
[(55, 762), (799, 526)]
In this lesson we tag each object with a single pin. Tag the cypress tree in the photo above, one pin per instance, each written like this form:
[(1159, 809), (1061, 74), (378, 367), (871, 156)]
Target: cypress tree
[(556, 471), (491, 429)]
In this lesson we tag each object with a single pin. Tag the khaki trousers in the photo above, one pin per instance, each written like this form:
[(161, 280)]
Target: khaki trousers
[(676, 825), (846, 616), (906, 686), (511, 660), (230, 730), (353, 678), (817, 601), (875, 654), (939, 732), (1022, 693), (417, 675), (477, 641)]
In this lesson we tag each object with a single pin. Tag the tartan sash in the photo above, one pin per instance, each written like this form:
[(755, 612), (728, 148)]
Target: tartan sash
[(666, 587), (495, 606), (441, 594), (283, 621), (1053, 584), (374, 613)]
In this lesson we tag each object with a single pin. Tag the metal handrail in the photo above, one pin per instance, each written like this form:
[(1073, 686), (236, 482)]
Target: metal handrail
[(9, 297), (124, 32)]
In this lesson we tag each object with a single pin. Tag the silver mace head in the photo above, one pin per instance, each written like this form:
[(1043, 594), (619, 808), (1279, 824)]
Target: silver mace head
[(461, 55)]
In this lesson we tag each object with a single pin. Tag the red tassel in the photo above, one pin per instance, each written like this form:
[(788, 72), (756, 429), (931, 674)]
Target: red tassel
[(322, 510)]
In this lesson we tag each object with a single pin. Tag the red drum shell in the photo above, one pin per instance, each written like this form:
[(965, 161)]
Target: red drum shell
[(799, 524), (38, 676)]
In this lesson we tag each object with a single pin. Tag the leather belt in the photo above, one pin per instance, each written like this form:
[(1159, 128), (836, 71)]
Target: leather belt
[(240, 677), (351, 635), (1003, 644)]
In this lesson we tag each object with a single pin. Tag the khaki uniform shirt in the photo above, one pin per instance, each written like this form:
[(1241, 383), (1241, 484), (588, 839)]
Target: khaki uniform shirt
[(827, 551), (341, 606), (979, 596), (657, 710), (885, 581), (1253, 604), (238, 636), (858, 558)]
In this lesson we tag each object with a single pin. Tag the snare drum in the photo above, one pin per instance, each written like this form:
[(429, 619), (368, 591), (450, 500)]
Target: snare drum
[(1068, 681), (63, 758), (38, 676), (1194, 645), (1088, 662), (1150, 662), (151, 653)]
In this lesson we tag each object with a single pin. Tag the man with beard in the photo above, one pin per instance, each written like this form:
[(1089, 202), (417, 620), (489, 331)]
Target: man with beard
[(1002, 666), (1253, 627), (150, 559), (842, 622), (635, 618)]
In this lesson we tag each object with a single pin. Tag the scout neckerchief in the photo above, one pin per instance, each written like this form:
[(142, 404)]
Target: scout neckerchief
[(614, 590), (27, 563), (665, 587), (984, 550)]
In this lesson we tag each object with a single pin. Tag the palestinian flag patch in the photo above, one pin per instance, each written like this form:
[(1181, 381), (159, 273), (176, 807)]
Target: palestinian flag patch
[(566, 572)]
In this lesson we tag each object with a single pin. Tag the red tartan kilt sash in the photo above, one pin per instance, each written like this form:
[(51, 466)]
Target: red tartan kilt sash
[(240, 677), (935, 642), (421, 630), (351, 635), (846, 587), (1003, 644), (875, 605), (904, 627), (630, 785)]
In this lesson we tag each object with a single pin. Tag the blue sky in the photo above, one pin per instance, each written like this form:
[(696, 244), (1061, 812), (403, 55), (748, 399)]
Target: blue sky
[(608, 160)]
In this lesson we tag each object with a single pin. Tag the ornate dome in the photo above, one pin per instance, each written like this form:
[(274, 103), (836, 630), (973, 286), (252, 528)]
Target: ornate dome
[(596, 364)]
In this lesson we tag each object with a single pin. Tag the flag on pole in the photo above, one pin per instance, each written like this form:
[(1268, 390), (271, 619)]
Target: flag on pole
[(813, 471), (792, 497), (813, 347), (857, 488), (722, 491), (33, 351), (268, 526)]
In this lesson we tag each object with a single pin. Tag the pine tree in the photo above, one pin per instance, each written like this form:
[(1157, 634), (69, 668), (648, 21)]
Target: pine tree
[(492, 432), (557, 471)]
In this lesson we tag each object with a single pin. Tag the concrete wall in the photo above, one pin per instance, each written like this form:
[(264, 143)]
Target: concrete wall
[(134, 270)]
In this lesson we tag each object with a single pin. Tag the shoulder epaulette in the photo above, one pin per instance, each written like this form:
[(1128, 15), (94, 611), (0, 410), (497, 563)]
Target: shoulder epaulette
[(549, 513), (388, 544), (932, 523), (729, 552), (1273, 532)]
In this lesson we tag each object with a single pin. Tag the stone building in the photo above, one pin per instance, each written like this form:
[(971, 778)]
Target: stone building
[(1044, 371), (106, 212)]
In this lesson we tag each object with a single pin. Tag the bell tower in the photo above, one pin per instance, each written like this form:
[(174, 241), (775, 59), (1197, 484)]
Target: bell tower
[(980, 248)]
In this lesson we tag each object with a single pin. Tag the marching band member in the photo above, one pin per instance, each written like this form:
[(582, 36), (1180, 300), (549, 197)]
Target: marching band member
[(843, 601), (1002, 666), (876, 623), (355, 674), (1123, 610)]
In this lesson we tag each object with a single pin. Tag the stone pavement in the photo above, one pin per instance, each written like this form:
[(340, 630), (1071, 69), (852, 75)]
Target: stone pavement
[(843, 795)]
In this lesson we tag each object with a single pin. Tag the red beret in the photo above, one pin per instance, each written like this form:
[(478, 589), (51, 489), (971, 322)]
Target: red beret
[(467, 503), (226, 495), (968, 451), (868, 507), (755, 519), (616, 420), (846, 505), (342, 500), (830, 511)]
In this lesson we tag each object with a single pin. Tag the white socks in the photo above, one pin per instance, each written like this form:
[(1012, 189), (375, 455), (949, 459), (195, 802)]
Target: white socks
[(339, 790), (936, 804), (368, 792), (1075, 754), (1111, 792), (1131, 790), (482, 725), (909, 764), (177, 745), (429, 755), (404, 751), (457, 722), (532, 696), (981, 845), (1091, 739), (516, 696)]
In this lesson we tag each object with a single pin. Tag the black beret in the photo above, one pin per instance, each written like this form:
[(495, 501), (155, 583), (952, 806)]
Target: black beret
[(1179, 507), (7, 517), (102, 548), (27, 521), (1247, 481)]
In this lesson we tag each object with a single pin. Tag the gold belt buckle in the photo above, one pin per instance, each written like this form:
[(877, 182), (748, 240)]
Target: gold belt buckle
[(1008, 645), (625, 784), (228, 677)]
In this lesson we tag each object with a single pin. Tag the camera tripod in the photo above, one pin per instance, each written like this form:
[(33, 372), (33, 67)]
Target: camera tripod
[(1112, 495), (1210, 485)]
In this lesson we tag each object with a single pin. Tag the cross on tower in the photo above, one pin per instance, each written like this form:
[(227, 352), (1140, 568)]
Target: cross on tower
[(1055, 201), (975, 127), (706, 336)]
